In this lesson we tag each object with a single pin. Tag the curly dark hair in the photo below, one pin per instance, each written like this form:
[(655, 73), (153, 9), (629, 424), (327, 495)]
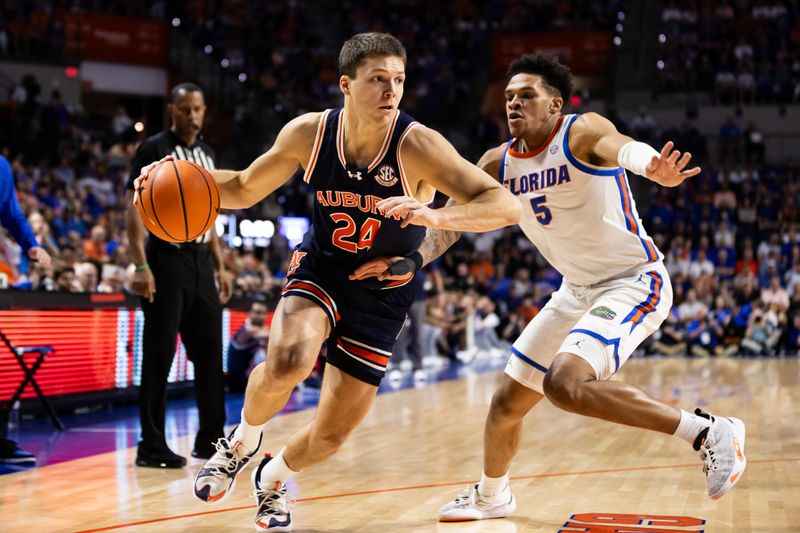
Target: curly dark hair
[(554, 73)]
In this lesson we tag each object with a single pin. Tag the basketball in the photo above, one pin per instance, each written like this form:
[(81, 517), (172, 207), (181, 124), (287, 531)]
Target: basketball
[(178, 201)]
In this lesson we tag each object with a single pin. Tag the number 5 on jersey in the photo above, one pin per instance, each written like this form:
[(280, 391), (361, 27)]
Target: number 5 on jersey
[(365, 237), (542, 212)]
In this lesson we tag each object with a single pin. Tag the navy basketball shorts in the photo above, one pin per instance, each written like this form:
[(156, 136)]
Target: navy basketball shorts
[(365, 322)]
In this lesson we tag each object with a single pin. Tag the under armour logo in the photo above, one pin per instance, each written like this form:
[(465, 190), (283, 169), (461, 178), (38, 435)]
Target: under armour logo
[(355, 175)]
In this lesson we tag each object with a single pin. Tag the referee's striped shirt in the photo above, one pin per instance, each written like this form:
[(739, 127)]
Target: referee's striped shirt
[(167, 143)]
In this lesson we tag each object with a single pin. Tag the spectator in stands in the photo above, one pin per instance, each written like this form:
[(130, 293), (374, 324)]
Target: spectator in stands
[(486, 323), (703, 336), (701, 265), (775, 295), (113, 279), (754, 147), (86, 276), (482, 269), (247, 347), (792, 278), (121, 122), (41, 231), (792, 344), (669, 339), (691, 309), (747, 264), (65, 280), (95, 247), (12, 218)]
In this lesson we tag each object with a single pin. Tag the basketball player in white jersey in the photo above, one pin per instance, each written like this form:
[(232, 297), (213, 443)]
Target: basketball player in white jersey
[(569, 174)]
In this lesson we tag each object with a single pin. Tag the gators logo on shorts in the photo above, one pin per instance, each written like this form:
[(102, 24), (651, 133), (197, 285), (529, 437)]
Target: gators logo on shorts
[(603, 312)]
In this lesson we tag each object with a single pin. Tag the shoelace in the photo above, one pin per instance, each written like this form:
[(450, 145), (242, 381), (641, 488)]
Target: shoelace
[(465, 497), (274, 500), (225, 460), (709, 461)]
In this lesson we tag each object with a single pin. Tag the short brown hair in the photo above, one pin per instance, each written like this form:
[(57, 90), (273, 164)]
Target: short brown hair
[(365, 45)]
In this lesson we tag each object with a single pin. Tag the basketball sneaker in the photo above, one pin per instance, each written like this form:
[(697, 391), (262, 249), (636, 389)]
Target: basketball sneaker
[(721, 448), (471, 505), (217, 477), (10, 453), (272, 503)]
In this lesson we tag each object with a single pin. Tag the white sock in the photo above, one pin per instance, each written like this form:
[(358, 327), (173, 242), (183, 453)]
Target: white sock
[(492, 486), (690, 426), (248, 434), (276, 470)]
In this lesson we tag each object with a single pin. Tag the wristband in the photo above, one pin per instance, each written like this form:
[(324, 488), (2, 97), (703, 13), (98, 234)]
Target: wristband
[(417, 258), (143, 266), (635, 156), (407, 265)]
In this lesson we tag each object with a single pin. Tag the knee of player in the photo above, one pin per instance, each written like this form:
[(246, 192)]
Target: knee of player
[(286, 363), (504, 408), (330, 439), (563, 390)]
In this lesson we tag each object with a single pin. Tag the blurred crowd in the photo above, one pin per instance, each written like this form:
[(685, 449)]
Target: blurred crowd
[(739, 51), (731, 237)]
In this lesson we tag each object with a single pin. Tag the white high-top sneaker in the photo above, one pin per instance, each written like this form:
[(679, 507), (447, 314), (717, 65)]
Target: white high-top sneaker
[(470, 505), (721, 448), (272, 504)]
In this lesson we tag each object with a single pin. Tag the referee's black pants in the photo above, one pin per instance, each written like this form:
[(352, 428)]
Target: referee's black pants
[(186, 302)]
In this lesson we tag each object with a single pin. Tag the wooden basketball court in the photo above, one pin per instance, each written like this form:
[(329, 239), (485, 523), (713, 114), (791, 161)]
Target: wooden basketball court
[(418, 448)]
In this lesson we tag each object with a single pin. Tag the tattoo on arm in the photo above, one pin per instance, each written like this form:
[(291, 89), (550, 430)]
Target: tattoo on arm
[(436, 242)]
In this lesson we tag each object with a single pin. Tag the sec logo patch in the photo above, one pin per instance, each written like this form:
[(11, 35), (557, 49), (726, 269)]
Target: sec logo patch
[(386, 176)]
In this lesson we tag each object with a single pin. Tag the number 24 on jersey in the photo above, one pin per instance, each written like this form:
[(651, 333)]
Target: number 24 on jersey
[(366, 235)]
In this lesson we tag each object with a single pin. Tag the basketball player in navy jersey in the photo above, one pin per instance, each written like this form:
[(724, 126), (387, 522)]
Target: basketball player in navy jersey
[(568, 172), (354, 157)]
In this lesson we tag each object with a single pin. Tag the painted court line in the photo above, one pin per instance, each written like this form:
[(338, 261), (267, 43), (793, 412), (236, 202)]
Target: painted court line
[(428, 486)]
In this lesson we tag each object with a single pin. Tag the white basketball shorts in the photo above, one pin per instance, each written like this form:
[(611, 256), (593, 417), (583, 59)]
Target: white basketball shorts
[(603, 324)]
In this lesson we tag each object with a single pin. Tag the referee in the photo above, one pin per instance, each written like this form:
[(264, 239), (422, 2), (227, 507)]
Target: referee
[(179, 295)]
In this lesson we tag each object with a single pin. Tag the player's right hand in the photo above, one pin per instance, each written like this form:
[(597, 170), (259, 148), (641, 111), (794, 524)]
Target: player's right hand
[(144, 284), (381, 268), (143, 175)]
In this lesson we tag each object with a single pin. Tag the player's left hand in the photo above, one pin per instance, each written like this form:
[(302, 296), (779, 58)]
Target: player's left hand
[(38, 254), (378, 268), (667, 168), (411, 211), (225, 286)]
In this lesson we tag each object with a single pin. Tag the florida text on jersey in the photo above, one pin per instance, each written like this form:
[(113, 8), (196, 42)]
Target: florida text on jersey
[(581, 217)]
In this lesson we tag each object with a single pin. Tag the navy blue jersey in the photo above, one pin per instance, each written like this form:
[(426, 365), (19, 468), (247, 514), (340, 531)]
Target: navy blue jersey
[(347, 229)]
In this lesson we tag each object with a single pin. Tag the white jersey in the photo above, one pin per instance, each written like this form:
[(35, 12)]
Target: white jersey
[(581, 217)]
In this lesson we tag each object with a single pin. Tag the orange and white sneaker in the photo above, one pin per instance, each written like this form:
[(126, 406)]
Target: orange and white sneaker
[(721, 448), (471, 505)]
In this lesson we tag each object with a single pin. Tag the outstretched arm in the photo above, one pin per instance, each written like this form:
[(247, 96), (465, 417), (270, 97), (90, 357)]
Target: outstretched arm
[(239, 189), (594, 138), (242, 189), (436, 242), (481, 203)]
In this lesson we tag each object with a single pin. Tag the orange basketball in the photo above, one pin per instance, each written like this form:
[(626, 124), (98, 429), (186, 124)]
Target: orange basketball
[(178, 201)]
